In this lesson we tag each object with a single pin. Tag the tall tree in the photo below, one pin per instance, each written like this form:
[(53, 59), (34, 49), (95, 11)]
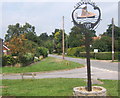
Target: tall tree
[(104, 44), (76, 38), (19, 45), (58, 40), (17, 29), (116, 32)]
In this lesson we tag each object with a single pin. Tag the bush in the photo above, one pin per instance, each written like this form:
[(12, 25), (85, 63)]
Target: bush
[(8, 60), (41, 51), (75, 51), (100, 55), (26, 59)]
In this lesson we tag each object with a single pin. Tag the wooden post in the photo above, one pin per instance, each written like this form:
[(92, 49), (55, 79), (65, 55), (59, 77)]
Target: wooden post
[(87, 45), (112, 39), (63, 44)]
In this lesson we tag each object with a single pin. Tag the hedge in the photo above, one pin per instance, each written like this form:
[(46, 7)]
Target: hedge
[(101, 55), (75, 51)]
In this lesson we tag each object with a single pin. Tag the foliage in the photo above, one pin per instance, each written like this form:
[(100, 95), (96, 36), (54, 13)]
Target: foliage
[(26, 59), (109, 32), (32, 37), (16, 44), (19, 45), (8, 60), (116, 35), (75, 51), (16, 30), (58, 40), (46, 41), (41, 51), (103, 45), (106, 56), (100, 55), (49, 45), (77, 37), (44, 36)]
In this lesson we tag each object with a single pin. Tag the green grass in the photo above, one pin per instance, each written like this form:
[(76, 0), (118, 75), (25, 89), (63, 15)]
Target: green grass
[(48, 64), (51, 87)]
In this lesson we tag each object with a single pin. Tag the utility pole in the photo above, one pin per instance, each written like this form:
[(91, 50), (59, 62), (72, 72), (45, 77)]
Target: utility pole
[(63, 44), (113, 39)]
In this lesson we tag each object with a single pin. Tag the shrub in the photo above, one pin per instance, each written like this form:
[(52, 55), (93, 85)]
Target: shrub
[(8, 60), (100, 55), (106, 56), (26, 59), (41, 51), (75, 51)]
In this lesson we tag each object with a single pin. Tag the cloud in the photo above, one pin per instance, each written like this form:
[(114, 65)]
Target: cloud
[(46, 16)]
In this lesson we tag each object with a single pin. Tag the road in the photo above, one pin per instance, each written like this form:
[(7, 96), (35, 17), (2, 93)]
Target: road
[(99, 69), (102, 64)]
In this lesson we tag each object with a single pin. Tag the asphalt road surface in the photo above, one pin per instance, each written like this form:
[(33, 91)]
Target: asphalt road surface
[(102, 64), (99, 70)]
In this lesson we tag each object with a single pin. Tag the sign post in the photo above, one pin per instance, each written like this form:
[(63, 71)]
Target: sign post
[(86, 21)]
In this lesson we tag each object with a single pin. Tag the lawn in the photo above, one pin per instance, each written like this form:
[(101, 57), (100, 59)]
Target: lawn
[(51, 87), (48, 64)]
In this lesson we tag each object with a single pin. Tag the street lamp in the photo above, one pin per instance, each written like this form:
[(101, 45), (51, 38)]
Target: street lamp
[(87, 21)]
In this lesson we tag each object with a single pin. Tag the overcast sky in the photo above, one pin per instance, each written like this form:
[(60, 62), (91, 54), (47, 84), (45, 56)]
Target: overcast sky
[(46, 16)]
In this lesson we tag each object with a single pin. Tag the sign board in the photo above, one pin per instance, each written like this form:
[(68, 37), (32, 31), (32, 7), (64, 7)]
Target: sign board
[(95, 50)]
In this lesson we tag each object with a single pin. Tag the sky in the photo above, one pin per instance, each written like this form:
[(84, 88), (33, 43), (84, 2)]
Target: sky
[(46, 15)]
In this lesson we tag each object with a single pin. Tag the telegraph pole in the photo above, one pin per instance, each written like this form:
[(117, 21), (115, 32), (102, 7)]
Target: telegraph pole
[(113, 39), (63, 44)]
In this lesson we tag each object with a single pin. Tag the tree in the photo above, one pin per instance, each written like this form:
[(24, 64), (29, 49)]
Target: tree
[(116, 35), (19, 45), (17, 29), (58, 40), (104, 44), (77, 37), (13, 30), (44, 36), (32, 37), (109, 32)]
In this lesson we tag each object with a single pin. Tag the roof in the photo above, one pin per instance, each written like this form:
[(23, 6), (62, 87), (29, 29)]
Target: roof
[(95, 38), (6, 47)]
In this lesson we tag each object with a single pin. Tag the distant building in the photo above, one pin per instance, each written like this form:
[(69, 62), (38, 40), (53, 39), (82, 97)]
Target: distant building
[(6, 50), (95, 38), (119, 13), (3, 48)]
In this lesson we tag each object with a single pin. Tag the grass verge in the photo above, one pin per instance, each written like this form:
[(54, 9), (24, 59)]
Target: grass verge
[(48, 64), (51, 87)]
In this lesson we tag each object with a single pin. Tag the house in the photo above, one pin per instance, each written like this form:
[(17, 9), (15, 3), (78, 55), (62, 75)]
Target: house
[(3, 48), (95, 38), (6, 50)]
